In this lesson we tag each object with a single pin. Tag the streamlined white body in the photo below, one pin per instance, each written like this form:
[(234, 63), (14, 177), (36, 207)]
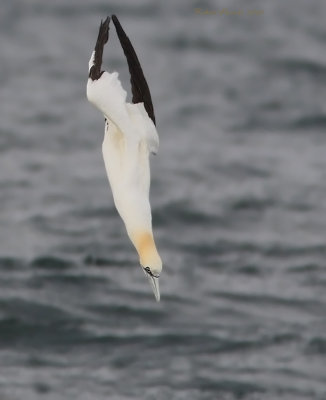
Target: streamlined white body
[(129, 138)]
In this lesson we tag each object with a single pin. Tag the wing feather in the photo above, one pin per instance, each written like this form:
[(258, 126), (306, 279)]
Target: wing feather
[(103, 35), (139, 86)]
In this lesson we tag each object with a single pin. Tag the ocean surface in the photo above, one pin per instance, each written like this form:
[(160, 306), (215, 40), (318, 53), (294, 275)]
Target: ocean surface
[(238, 198)]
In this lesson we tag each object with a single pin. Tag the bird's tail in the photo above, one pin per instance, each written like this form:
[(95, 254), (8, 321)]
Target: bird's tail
[(95, 62)]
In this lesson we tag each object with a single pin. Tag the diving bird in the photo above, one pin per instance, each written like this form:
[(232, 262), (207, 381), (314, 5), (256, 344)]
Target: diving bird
[(130, 136)]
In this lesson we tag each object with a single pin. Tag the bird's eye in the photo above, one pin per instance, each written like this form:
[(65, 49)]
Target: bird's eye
[(147, 269)]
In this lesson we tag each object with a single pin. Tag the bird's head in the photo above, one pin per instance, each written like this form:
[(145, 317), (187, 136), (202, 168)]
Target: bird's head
[(153, 280), (149, 259)]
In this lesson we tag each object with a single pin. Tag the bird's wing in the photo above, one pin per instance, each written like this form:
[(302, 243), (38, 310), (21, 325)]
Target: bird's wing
[(96, 61), (139, 86), (104, 89)]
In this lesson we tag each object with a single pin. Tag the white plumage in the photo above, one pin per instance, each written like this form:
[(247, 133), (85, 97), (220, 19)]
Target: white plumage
[(129, 138)]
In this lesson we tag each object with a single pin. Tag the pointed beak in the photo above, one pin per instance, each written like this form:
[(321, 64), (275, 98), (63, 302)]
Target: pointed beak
[(153, 280)]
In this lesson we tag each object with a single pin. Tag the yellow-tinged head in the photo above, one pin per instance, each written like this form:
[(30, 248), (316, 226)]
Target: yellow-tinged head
[(149, 259), (148, 254)]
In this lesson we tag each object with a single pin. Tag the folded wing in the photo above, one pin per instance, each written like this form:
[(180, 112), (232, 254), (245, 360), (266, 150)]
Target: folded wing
[(96, 61), (104, 89), (139, 86)]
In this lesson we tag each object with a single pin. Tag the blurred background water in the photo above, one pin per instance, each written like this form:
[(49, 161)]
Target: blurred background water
[(238, 197)]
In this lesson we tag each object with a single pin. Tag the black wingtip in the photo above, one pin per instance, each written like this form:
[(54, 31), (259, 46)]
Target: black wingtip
[(105, 28), (114, 19), (140, 89), (120, 31), (102, 38)]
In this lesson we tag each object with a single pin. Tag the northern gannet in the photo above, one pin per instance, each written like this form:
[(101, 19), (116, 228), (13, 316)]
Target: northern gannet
[(130, 136)]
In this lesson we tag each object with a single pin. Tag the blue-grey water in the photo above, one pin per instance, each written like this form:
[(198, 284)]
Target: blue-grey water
[(238, 197)]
